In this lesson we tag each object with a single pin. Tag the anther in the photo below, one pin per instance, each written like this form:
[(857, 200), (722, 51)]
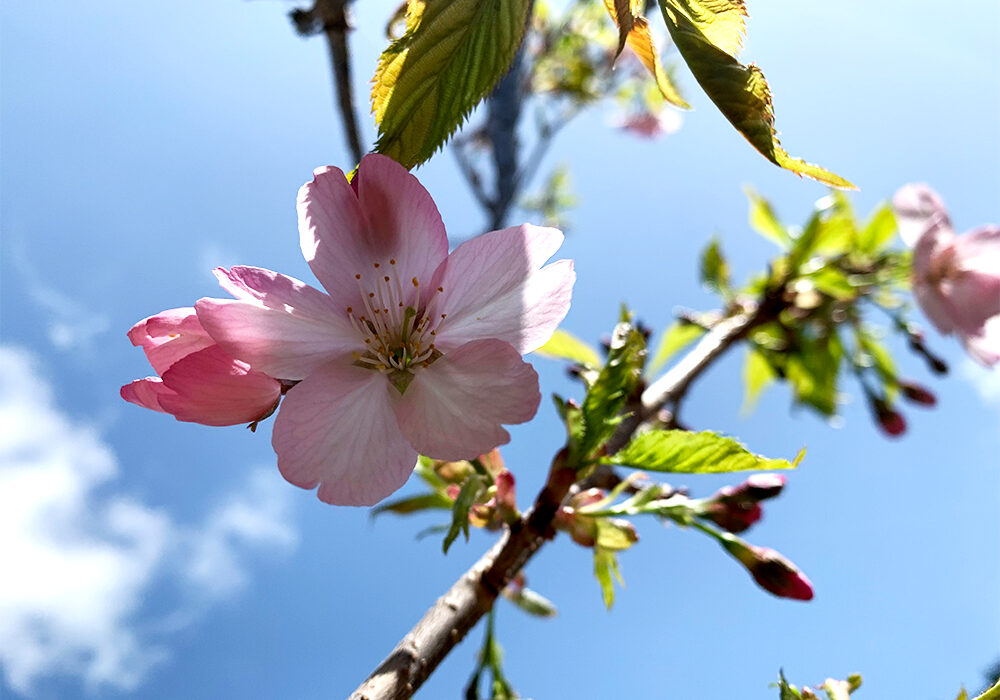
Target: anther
[(440, 289), (357, 276), (350, 310), (392, 261), (386, 278), (415, 282), (375, 264)]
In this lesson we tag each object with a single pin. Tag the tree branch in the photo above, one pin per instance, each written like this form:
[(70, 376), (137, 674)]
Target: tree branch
[(472, 596), (330, 17)]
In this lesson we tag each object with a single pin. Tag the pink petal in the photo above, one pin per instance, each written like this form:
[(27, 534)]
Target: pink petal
[(146, 393), (493, 288), (918, 208), (405, 223), (168, 336), (211, 388), (979, 250), (974, 297), (391, 218), (984, 346), (934, 305), (337, 429), (279, 326), (453, 409)]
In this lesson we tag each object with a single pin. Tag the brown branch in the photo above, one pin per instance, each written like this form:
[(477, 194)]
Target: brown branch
[(472, 596), (330, 17)]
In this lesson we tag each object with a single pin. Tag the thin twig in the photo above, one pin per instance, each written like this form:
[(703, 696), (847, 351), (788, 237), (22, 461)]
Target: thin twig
[(458, 610), (330, 17)]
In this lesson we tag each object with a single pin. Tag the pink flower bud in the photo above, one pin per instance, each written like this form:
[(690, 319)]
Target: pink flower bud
[(772, 572), (736, 508), (506, 500), (917, 394), (890, 420)]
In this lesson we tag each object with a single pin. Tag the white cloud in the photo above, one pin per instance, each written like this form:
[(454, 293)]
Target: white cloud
[(78, 564), (985, 381)]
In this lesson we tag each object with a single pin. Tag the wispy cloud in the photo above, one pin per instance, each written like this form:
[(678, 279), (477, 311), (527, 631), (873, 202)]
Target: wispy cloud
[(79, 563), (70, 325)]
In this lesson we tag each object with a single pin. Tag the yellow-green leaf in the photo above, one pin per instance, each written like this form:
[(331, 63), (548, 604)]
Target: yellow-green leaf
[(451, 56), (680, 451), (634, 30), (679, 335), (722, 22), (764, 221), (708, 40), (566, 346), (757, 375)]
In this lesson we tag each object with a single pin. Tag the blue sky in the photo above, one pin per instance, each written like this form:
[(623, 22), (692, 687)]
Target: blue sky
[(144, 144)]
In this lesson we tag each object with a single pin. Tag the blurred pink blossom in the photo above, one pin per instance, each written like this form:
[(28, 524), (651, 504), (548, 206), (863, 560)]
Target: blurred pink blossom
[(652, 125), (956, 279), (197, 381), (412, 349)]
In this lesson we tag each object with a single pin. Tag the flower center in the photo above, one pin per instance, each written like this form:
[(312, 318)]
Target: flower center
[(397, 330)]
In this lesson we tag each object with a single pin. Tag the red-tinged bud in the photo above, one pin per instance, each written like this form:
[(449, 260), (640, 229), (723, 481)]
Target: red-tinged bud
[(453, 491), (733, 516), (770, 570), (736, 508), (505, 499), (760, 487), (581, 529), (890, 420), (917, 394)]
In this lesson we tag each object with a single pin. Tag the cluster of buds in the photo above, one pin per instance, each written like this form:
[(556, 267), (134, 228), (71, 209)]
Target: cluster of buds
[(587, 531), (736, 508), (497, 504), (890, 420)]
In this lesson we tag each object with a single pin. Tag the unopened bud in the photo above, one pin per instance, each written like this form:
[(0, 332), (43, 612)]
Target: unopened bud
[(890, 420), (505, 499), (917, 394), (736, 508), (770, 570), (453, 491)]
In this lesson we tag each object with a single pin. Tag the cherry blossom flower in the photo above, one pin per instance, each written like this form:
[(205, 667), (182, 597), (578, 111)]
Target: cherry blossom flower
[(652, 125), (410, 350), (197, 381), (956, 279)]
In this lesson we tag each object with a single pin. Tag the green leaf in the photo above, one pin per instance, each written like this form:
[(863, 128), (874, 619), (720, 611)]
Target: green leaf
[(715, 269), (812, 371), (566, 346), (680, 451), (532, 602), (460, 512), (413, 504), (614, 535), (833, 282), (678, 336), (879, 231), (787, 690), (757, 375), (606, 570), (617, 380), (764, 221), (708, 34), (429, 80)]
